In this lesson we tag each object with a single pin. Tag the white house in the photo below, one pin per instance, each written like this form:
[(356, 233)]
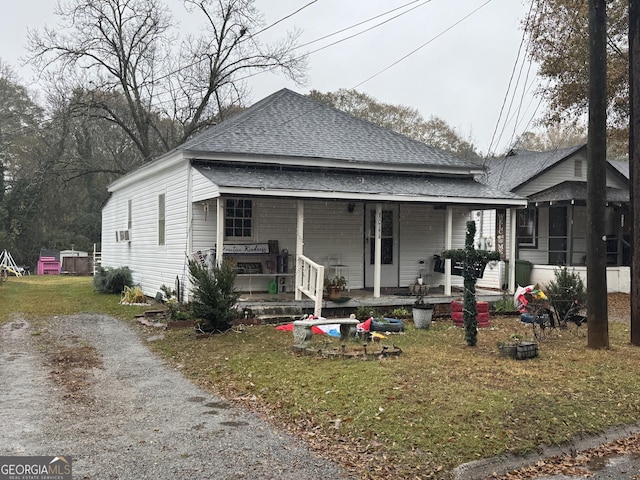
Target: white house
[(288, 175), (553, 229)]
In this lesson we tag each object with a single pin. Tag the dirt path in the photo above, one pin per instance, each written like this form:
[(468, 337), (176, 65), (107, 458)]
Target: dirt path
[(86, 386)]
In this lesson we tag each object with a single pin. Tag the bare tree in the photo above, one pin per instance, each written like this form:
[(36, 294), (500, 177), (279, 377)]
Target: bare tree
[(141, 75)]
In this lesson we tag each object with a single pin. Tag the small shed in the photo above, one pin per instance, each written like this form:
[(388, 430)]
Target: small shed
[(49, 262), (76, 262)]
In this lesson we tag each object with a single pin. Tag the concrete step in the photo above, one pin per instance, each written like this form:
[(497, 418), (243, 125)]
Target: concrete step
[(266, 313)]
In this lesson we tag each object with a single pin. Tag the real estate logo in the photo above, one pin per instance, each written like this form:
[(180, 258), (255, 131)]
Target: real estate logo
[(35, 468)]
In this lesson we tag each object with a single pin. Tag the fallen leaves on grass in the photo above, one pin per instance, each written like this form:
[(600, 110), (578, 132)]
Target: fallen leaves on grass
[(577, 464)]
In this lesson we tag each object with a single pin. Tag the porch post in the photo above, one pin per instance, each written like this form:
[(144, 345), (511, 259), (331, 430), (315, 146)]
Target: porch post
[(219, 230), (377, 268), (512, 249), (299, 248), (448, 245)]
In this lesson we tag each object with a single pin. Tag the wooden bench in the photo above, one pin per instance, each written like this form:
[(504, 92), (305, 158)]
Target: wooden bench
[(302, 329)]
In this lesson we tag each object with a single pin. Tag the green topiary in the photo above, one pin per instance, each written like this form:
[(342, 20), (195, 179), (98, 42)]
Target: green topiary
[(213, 296)]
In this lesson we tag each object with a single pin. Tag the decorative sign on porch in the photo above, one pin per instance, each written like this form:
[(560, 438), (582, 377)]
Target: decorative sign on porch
[(501, 225), (245, 248), (249, 268), (199, 258)]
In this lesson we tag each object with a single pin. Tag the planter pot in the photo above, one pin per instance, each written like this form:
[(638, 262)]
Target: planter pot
[(422, 316), (333, 293)]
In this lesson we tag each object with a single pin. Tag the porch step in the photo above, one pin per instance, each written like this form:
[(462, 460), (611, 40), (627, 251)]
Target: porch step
[(273, 313)]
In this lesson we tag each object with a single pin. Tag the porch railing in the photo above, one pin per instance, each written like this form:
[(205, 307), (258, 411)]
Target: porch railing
[(310, 281)]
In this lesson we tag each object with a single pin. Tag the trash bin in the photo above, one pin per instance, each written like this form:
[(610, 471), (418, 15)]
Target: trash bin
[(523, 272)]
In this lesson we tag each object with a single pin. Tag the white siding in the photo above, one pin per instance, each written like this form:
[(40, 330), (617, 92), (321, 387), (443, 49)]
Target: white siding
[(421, 237), (331, 231), (566, 171), (422, 233), (561, 172), (202, 188), (151, 265)]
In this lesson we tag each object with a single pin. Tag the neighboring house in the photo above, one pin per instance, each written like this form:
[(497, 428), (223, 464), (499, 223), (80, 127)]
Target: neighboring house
[(553, 229), (289, 175)]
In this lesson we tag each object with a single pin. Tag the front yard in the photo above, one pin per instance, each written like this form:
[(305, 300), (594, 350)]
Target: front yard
[(437, 405)]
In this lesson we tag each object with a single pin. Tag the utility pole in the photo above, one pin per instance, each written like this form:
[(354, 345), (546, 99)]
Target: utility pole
[(634, 163), (598, 332)]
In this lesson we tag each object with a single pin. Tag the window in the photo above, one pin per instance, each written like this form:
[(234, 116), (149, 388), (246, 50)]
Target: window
[(129, 215), (577, 168), (161, 219), (238, 221), (528, 228)]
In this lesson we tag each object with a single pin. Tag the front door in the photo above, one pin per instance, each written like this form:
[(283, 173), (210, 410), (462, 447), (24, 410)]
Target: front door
[(389, 249), (557, 235)]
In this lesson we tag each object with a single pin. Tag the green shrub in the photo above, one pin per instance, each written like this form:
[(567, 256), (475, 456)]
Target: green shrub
[(364, 313), (133, 295), (213, 296), (566, 289), (177, 310), (400, 312), (112, 280), (505, 305)]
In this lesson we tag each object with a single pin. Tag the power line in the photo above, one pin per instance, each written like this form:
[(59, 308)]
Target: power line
[(284, 18), (421, 46), (409, 54), (350, 36), (506, 95), (367, 21)]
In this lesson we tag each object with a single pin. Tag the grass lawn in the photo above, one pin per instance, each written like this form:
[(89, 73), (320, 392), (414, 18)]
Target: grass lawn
[(439, 404)]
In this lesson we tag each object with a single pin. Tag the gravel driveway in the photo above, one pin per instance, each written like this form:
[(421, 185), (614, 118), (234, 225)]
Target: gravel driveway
[(86, 386)]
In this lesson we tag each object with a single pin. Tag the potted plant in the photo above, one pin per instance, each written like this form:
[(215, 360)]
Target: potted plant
[(334, 286), (422, 313)]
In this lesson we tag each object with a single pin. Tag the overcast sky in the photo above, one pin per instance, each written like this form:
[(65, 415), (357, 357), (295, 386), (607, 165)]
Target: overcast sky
[(460, 70)]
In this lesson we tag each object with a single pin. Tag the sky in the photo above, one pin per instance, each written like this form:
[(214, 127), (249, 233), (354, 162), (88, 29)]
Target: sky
[(460, 60)]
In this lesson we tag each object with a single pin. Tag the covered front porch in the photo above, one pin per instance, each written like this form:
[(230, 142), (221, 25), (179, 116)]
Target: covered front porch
[(380, 249), (288, 229)]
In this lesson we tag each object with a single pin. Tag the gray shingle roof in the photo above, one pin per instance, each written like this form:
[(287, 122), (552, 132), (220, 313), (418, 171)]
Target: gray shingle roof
[(567, 191), (521, 166), (621, 166), (291, 125), (510, 172), (349, 182)]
